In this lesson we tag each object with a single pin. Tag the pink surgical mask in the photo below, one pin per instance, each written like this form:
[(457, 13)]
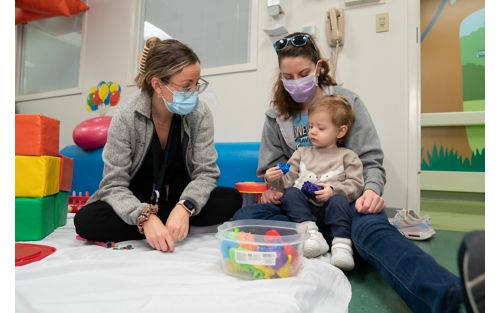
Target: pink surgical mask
[(301, 90)]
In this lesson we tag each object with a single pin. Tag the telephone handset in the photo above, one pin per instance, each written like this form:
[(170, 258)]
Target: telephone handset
[(335, 27)]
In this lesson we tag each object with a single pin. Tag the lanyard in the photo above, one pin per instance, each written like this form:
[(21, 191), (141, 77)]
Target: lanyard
[(159, 170)]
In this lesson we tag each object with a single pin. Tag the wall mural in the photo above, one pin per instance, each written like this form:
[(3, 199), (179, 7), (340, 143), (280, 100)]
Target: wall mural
[(452, 60)]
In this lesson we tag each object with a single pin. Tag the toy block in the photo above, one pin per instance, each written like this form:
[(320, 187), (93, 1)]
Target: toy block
[(37, 176), (66, 173), (37, 135), (60, 208), (87, 168), (34, 218)]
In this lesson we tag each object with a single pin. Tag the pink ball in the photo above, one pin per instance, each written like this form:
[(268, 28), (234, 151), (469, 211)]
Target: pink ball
[(92, 133)]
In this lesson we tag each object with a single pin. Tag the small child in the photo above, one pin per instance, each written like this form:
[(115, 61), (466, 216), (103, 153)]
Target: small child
[(337, 170)]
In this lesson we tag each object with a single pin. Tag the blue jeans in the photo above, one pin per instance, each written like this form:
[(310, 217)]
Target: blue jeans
[(335, 214), (419, 280)]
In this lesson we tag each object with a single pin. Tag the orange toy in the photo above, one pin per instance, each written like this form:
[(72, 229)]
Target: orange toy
[(247, 238), (251, 191)]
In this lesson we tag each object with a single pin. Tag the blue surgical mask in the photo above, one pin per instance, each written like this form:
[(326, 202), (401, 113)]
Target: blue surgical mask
[(182, 103)]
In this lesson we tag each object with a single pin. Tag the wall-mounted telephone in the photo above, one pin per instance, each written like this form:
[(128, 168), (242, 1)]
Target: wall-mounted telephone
[(335, 27)]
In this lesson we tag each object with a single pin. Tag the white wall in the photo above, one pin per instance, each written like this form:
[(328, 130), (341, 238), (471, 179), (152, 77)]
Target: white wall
[(380, 67)]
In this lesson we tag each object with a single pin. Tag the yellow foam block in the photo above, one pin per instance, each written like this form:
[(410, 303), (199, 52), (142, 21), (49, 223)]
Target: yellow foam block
[(37, 176)]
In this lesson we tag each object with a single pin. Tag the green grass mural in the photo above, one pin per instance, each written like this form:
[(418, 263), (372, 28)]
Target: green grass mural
[(444, 159)]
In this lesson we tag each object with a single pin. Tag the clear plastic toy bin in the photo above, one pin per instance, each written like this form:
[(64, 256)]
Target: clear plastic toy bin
[(261, 249)]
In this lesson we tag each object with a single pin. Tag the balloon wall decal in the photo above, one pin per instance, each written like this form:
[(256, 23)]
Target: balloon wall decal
[(102, 96), (93, 133)]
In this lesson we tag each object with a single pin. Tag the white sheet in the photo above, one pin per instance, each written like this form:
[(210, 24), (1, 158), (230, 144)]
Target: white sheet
[(82, 277)]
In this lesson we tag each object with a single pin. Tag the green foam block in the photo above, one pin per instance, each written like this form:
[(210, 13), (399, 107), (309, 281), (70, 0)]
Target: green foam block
[(60, 208), (34, 218)]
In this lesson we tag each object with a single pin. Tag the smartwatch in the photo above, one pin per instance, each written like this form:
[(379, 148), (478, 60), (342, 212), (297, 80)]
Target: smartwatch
[(189, 206)]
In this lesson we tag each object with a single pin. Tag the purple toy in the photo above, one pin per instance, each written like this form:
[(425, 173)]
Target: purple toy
[(284, 167), (309, 188)]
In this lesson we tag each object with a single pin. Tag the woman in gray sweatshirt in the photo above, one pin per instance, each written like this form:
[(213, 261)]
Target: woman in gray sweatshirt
[(160, 168), (422, 283)]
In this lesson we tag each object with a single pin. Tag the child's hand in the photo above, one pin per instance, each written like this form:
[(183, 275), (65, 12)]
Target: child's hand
[(324, 194), (273, 174)]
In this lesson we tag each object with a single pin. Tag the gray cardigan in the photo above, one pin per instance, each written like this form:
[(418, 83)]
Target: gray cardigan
[(129, 137), (278, 142)]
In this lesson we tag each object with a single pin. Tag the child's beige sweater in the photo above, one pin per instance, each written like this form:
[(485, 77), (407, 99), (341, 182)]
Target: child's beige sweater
[(339, 167)]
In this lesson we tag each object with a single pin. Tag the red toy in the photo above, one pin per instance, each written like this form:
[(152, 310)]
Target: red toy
[(75, 202), (27, 253), (272, 236)]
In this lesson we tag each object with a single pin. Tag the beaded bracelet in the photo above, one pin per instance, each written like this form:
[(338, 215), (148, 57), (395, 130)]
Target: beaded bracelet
[(144, 216)]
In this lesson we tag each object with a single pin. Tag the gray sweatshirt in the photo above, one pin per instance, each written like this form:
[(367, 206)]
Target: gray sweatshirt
[(129, 137), (278, 142)]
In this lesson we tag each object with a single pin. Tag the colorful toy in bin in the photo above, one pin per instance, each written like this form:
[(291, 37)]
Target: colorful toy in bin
[(309, 189), (261, 249), (75, 202), (284, 167)]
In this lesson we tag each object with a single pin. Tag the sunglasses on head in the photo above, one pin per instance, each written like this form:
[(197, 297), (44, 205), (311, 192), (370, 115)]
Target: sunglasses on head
[(296, 41)]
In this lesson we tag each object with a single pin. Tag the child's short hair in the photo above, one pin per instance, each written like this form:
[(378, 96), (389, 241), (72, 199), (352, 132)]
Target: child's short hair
[(339, 109)]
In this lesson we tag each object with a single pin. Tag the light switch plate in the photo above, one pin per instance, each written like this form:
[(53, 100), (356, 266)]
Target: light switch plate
[(382, 22)]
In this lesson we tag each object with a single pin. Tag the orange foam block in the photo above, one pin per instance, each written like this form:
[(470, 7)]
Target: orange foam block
[(37, 135), (66, 173)]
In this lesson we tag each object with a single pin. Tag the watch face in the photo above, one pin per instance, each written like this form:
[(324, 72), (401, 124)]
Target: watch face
[(189, 205)]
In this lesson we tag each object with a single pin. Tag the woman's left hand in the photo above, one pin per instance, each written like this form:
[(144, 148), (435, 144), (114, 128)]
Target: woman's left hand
[(178, 223), (370, 202)]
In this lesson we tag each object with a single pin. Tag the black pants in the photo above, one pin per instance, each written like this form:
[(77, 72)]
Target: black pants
[(98, 221)]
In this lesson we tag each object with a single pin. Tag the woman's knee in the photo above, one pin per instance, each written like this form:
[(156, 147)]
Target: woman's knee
[(368, 226), (82, 221), (230, 196), (264, 211)]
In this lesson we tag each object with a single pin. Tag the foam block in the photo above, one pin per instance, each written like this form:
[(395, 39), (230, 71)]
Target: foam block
[(60, 208), (237, 162), (87, 170), (37, 176), (66, 173), (34, 218), (37, 135)]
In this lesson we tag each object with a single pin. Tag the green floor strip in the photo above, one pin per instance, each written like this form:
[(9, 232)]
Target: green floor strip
[(453, 210), (455, 221)]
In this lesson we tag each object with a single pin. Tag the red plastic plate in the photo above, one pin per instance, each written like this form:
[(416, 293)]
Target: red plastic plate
[(27, 253)]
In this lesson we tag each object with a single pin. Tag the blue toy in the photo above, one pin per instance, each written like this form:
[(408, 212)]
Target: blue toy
[(309, 188), (284, 167)]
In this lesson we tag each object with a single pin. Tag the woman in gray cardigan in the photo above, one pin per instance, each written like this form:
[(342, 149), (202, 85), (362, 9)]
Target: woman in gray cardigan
[(160, 168)]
